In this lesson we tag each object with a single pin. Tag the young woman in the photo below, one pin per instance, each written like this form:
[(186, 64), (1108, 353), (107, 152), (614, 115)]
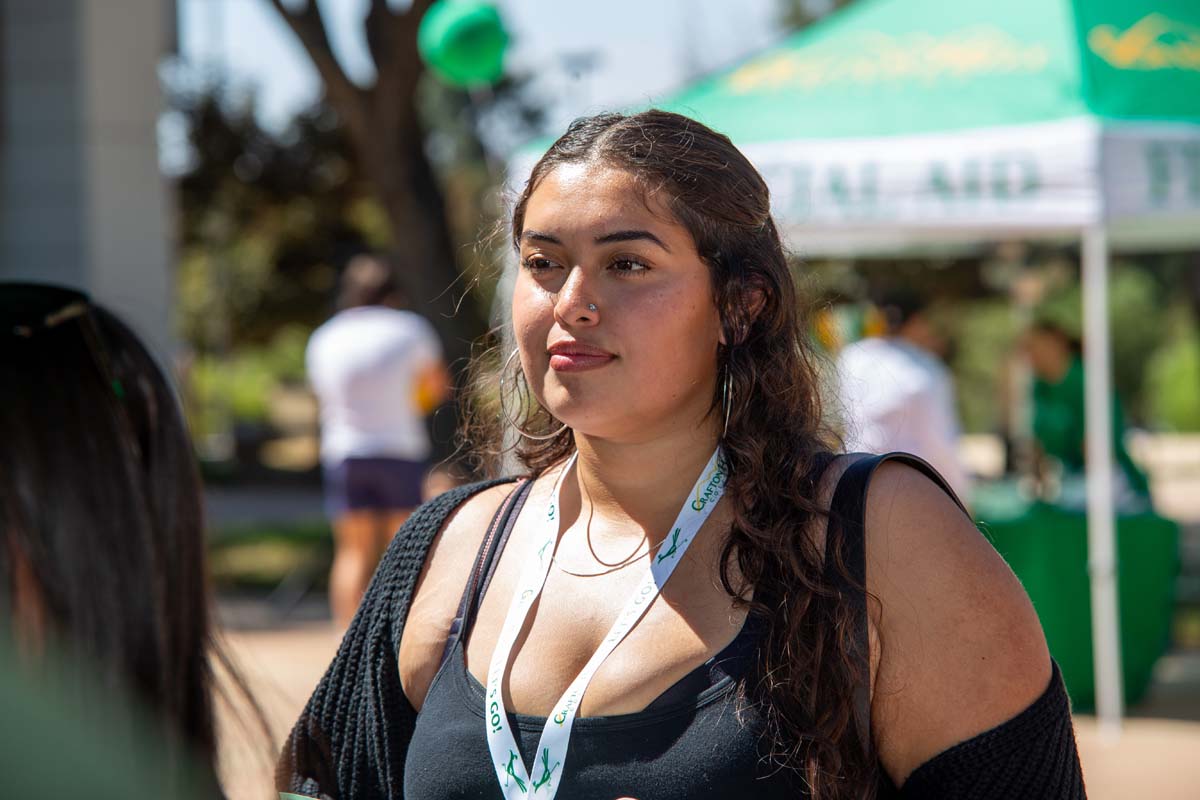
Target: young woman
[(687, 594), (102, 551)]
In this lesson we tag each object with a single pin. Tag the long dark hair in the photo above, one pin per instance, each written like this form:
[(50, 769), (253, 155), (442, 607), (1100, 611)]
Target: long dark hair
[(101, 524), (776, 441), (1072, 344)]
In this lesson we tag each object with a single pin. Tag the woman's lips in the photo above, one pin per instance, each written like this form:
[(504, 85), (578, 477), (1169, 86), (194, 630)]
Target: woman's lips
[(577, 362), (577, 357)]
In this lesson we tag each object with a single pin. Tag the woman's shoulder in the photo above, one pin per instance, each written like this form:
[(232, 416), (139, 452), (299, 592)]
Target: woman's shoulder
[(451, 535), (443, 531), (960, 648), (455, 520), (462, 504)]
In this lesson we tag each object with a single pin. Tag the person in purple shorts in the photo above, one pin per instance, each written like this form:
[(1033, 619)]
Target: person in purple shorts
[(377, 371)]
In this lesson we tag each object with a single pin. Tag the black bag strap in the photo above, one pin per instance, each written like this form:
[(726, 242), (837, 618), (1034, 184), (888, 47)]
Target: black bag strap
[(485, 562)]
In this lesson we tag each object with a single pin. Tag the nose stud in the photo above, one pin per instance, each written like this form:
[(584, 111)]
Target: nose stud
[(591, 307)]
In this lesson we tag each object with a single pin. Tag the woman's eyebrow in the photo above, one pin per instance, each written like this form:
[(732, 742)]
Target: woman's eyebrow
[(631, 236), (538, 236), (608, 238)]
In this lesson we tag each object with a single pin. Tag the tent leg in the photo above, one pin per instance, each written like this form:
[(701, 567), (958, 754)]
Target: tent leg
[(1101, 522)]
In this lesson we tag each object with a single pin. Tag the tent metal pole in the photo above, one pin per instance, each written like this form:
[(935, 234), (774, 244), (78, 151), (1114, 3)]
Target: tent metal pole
[(1101, 517)]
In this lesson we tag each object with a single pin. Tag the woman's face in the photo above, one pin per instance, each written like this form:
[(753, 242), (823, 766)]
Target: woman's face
[(643, 361)]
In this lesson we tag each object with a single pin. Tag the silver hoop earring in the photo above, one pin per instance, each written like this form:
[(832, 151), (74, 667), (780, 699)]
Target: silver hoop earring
[(726, 400), (504, 411)]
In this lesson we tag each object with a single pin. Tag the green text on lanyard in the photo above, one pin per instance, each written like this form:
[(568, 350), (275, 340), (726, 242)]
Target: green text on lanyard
[(515, 781)]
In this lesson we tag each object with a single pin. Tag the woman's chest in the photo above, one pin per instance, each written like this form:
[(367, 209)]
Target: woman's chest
[(711, 745), (691, 620)]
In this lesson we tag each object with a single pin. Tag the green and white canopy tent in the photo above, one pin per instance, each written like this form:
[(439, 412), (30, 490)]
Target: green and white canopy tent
[(896, 124), (901, 126)]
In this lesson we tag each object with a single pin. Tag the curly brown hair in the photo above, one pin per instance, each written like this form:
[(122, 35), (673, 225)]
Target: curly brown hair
[(776, 442)]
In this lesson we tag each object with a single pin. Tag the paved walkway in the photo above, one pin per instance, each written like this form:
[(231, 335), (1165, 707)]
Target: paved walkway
[(1155, 757), (281, 667)]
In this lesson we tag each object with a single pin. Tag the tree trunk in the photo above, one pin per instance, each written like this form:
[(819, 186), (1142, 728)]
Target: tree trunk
[(384, 129), (382, 124), (423, 245)]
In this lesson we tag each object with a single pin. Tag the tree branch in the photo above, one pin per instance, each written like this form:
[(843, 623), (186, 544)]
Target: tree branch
[(380, 31), (388, 31), (417, 9), (309, 27), (392, 37), (411, 18)]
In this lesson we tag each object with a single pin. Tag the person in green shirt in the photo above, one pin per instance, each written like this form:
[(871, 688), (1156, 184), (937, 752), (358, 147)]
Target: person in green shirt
[(1058, 404)]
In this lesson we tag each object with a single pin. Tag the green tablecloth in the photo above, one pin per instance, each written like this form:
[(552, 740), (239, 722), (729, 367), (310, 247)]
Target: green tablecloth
[(1046, 546)]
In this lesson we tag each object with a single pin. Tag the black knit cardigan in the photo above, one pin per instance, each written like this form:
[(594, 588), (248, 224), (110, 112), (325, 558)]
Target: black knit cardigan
[(351, 739)]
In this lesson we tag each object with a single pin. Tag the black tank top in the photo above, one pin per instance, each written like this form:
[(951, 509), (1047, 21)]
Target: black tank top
[(703, 737)]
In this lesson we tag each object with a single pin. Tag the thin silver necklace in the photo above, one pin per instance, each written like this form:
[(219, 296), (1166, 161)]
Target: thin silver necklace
[(631, 560)]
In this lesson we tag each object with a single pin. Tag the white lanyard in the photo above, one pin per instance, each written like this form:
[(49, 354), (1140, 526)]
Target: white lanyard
[(551, 755)]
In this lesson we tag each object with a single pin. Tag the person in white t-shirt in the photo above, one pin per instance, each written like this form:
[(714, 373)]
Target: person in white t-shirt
[(896, 393), (377, 372)]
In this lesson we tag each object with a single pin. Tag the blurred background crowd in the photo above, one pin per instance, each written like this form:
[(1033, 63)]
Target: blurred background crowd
[(299, 206)]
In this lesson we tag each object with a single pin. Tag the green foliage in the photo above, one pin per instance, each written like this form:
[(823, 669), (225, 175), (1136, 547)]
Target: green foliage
[(266, 218), (1173, 378), (240, 385), (1155, 350), (261, 555), (985, 333)]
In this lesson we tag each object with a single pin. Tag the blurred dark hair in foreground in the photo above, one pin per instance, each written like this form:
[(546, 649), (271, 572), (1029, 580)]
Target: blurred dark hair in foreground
[(102, 554)]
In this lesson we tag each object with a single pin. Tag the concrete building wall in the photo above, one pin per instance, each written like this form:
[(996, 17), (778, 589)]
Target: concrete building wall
[(82, 200), (42, 228), (126, 205)]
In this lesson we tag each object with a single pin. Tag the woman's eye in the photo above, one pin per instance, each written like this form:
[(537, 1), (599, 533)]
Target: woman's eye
[(538, 264), (629, 266)]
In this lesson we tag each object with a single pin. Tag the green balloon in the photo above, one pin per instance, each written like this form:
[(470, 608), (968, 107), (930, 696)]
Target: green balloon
[(463, 42)]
